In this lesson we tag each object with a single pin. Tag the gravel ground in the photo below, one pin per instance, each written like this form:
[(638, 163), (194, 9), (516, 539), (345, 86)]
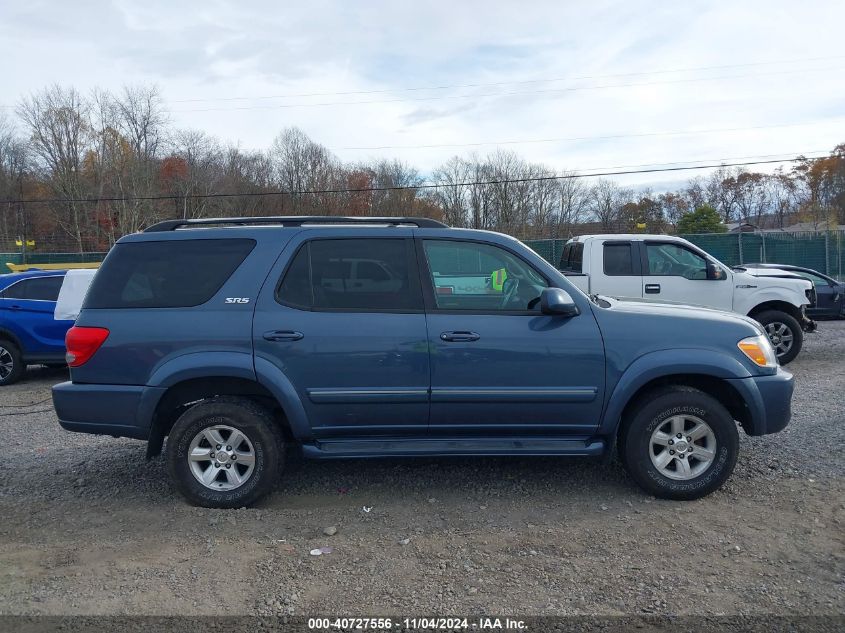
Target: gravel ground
[(89, 527)]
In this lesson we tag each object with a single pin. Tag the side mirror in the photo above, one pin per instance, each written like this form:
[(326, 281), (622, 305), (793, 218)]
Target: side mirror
[(715, 272), (554, 301)]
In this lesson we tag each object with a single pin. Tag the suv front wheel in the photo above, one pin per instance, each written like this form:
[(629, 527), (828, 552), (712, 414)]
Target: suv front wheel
[(225, 453), (680, 443)]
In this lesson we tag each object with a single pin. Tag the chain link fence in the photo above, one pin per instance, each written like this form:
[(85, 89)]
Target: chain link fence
[(820, 250), (823, 251)]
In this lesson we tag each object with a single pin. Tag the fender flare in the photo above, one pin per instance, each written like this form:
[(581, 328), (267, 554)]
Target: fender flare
[(663, 363), (221, 365), (202, 365), (277, 383)]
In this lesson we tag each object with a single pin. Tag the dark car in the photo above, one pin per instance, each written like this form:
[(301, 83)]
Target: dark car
[(29, 335), (830, 293), (234, 338)]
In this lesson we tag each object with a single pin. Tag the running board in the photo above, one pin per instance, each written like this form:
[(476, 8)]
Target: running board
[(392, 447)]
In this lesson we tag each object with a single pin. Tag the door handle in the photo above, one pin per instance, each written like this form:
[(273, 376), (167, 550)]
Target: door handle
[(283, 335), (14, 307), (652, 289), (460, 337)]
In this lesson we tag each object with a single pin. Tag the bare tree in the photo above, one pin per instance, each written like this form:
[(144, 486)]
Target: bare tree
[(14, 165), (57, 120), (302, 165), (606, 202), (394, 184), (453, 194), (574, 203)]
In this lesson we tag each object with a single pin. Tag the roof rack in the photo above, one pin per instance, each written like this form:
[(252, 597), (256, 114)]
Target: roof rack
[(294, 220)]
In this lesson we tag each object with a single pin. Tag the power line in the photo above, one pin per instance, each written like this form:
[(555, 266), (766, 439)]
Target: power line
[(503, 94), (252, 194), (591, 138), (501, 83), (506, 83)]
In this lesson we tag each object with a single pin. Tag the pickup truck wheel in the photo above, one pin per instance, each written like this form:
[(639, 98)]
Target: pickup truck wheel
[(11, 363), (784, 332), (679, 444), (224, 453)]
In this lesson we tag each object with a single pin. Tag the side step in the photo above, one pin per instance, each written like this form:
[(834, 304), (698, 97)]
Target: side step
[(402, 447)]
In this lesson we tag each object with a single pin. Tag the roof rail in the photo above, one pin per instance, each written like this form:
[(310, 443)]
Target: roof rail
[(293, 220)]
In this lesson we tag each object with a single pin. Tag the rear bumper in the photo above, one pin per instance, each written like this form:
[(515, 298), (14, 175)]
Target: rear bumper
[(769, 401), (119, 410)]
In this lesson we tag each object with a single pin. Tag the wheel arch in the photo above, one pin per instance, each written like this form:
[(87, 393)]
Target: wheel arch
[(781, 306), (719, 388), (7, 335), (181, 396), (710, 371)]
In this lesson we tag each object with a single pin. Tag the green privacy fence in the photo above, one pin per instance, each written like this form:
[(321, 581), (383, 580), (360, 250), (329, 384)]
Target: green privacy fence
[(820, 250), (550, 250), (49, 258)]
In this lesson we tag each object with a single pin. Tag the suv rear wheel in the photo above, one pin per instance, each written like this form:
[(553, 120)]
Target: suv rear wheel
[(225, 453), (680, 443), (11, 363)]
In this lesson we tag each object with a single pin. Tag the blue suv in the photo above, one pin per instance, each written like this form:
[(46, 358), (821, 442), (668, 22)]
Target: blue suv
[(29, 335), (377, 337)]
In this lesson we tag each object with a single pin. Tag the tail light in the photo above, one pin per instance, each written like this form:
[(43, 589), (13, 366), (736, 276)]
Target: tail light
[(82, 342)]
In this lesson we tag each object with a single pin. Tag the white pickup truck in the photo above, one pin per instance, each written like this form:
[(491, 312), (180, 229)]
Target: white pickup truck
[(672, 270)]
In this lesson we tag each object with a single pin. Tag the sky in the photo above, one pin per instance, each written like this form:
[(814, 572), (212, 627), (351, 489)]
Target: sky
[(575, 85)]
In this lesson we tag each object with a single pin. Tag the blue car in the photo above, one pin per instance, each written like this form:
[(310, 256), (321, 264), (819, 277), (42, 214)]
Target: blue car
[(399, 337), (29, 335)]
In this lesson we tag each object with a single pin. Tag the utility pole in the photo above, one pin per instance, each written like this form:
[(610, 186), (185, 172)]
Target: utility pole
[(22, 218)]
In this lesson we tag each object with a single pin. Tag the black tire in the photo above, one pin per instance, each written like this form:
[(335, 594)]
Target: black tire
[(772, 317), (259, 428), (9, 352), (653, 411)]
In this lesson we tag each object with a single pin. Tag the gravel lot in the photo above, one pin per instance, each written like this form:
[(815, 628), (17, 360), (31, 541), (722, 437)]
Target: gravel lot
[(89, 527)]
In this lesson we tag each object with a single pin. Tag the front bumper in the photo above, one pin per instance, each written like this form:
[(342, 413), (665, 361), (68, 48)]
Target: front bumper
[(768, 399), (118, 410), (807, 324)]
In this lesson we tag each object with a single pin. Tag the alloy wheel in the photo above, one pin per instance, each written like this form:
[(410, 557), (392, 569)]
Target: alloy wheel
[(7, 363), (221, 457), (781, 337), (682, 447)]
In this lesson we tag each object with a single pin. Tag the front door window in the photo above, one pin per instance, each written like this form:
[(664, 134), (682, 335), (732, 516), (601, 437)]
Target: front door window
[(481, 277)]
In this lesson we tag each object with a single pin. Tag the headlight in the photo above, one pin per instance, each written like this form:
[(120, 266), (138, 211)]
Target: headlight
[(759, 349)]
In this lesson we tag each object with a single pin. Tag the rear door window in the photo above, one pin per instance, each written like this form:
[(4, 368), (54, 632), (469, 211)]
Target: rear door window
[(361, 275), (618, 259), (167, 274), (35, 289)]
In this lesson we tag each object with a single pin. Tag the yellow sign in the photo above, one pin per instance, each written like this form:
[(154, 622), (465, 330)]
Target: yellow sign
[(19, 268)]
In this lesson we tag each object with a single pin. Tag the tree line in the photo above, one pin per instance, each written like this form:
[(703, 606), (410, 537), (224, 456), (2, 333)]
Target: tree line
[(112, 163)]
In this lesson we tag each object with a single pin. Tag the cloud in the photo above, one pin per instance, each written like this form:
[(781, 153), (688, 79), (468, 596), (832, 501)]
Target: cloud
[(608, 60)]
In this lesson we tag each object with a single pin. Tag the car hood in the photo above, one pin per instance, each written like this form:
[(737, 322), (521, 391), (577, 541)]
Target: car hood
[(773, 276), (659, 308)]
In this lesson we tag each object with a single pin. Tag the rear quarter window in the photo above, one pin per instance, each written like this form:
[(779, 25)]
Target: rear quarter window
[(571, 260), (167, 274)]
